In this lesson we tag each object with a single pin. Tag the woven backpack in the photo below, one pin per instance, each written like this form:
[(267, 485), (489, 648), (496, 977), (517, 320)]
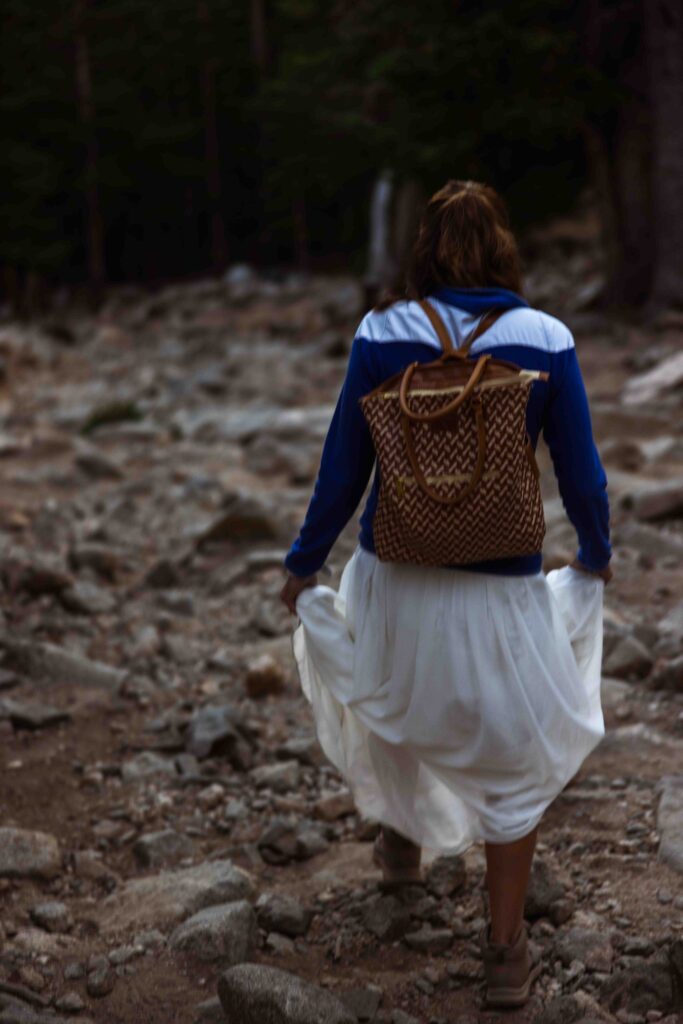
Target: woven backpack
[(458, 476)]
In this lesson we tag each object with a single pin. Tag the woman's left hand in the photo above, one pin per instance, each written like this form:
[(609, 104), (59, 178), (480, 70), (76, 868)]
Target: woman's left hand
[(604, 574), (293, 587)]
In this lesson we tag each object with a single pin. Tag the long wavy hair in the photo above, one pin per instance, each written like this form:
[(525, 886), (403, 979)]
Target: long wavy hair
[(464, 241)]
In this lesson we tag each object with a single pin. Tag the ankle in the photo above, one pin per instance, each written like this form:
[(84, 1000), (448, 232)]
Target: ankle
[(504, 935)]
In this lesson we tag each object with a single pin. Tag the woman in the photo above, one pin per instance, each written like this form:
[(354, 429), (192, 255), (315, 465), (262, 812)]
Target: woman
[(457, 701)]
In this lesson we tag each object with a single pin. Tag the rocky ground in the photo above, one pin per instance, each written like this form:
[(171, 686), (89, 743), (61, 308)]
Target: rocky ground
[(171, 836)]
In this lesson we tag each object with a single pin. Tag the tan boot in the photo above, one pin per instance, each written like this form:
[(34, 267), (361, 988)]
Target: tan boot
[(510, 970), (398, 857)]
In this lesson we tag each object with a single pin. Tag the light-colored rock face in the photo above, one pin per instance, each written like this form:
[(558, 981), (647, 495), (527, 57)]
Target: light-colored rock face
[(254, 994), (25, 853), (226, 932), (165, 899)]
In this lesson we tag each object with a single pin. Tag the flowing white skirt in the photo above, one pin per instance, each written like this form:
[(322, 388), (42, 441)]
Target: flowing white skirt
[(455, 704)]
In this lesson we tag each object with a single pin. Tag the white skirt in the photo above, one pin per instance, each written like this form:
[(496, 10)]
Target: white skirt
[(455, 704)]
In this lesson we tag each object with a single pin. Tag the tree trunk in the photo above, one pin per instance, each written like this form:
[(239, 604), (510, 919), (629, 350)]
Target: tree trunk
[(86, 110), (664, 46), (259, 37), (219, 248)]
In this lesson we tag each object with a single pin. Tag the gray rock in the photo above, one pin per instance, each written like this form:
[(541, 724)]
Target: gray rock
[(170, 896), (286, 839), (24, 853), (256, 994), (544, 889), (334, 805), (179, 602), (278, 912), (304, 749), (560, 1010), (24, 715), (656, 501), (281, 777), (87, 599), (219, 730), (100, 982), (245, 518), (98, 466), (630, 659), (100, 559), (446, 875), (670, 822), (46, 663), (363, 1002), (387, 918), (70, 1002), (430, 940), (209, 1012), (52, 916), (641, 988), (157, 849), (145, 765), (227, 932), (592, 948), (668, 674)]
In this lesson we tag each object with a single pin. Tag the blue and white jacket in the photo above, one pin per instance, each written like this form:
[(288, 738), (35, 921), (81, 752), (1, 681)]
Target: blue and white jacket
[(388, 341)]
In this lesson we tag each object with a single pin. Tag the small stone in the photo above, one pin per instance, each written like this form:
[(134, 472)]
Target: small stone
[(592, 948), (544, 889), (278, 912), (277, 943), (281, 777), (74, 971), (70, 1002), (52, 916), (446, 875), (210, 797), (24, 715), (334, 805), (363, 1001), (24, 853), (227, 932), (219, 730), (101, 982), (387, 918), (430, 940), (630, 659), (209, 1012), (664, 896), (87, 599), (160, 848), (264, 677), (145, 765)]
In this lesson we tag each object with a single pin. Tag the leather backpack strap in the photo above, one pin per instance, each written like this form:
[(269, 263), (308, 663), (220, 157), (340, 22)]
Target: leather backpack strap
[(438, 325), (488, 320)]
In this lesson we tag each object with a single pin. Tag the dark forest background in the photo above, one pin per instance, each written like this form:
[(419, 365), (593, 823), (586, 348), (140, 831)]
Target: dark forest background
[(156, 141)]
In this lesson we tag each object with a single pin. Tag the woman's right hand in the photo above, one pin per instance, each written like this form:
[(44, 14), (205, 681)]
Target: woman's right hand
[(605, 574), (293, 587)]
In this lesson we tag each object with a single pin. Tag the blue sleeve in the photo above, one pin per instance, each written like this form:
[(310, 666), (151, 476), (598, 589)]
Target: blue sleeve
[(347, 460), (581, 478)]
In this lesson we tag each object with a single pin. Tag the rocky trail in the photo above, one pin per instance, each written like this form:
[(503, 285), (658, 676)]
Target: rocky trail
[(171, 835)]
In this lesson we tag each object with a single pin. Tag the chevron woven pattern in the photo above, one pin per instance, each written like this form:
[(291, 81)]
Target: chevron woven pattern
[(503, 515)]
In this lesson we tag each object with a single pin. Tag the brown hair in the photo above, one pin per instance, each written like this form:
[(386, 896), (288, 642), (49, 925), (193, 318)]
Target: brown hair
[(464, 241)]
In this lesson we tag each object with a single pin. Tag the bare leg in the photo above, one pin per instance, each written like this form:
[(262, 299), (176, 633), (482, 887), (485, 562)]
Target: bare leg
[(507, 876)]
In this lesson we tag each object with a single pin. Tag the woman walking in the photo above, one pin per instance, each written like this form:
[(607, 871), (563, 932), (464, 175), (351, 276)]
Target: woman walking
[(457, 700)]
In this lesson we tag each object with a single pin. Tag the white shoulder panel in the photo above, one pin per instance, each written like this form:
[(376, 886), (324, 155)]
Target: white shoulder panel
[(405, 321)]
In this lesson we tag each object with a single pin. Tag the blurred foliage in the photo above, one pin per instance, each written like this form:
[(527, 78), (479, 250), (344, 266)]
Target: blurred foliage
[(484, 89)]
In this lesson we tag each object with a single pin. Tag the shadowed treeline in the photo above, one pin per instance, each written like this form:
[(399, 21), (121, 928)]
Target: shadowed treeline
[(143, 142)]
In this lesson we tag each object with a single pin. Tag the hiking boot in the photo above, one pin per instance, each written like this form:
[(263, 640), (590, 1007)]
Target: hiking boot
[(509, 970), (398, 857)]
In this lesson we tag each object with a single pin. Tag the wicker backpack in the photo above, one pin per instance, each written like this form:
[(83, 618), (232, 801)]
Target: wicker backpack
[(458, 476)]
